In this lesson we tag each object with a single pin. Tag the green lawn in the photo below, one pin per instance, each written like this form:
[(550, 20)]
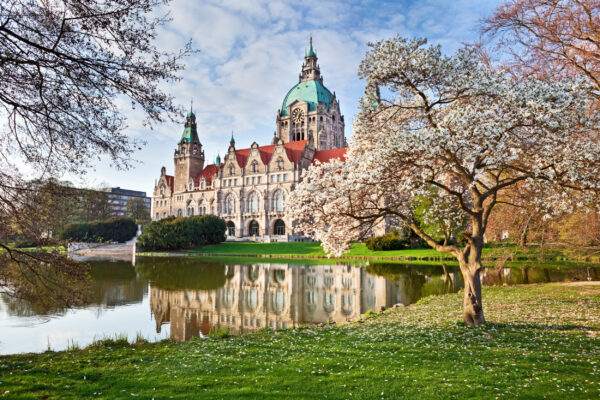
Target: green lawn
[(543, 341), (307, 249)]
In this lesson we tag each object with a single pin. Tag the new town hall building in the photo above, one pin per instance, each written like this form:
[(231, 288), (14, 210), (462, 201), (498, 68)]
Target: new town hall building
[(249, 188)]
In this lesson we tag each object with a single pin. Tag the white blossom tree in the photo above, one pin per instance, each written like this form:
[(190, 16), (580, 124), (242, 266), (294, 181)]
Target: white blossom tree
[(451, 123)]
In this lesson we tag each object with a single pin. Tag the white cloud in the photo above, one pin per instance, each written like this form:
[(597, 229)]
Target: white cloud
[(251, 54)]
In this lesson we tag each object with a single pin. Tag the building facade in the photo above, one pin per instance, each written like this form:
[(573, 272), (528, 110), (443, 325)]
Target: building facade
[(118, 199), (249, 187)]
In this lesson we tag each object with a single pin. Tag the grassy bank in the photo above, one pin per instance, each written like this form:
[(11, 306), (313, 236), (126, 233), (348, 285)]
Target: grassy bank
[(544, 342), (360, 251)]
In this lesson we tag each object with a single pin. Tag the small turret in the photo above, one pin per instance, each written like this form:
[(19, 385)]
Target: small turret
[(310, 68)]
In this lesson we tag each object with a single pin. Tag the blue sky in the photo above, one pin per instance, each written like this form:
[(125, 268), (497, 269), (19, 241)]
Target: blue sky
[(250, 54)]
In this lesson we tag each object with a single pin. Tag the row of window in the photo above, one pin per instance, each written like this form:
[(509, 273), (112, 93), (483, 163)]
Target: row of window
[(256, 180), (253, 230), (253, 203)]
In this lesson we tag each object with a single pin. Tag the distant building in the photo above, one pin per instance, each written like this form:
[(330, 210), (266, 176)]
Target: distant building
[(118, 199)]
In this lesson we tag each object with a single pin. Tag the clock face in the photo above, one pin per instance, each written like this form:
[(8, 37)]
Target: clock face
[(298, 115)]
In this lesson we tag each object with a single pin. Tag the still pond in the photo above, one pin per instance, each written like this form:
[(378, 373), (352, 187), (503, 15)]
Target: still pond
[(182, 298)]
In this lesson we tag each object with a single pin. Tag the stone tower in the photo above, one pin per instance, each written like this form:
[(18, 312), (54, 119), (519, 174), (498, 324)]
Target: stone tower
[(189, 156), (310, 110)]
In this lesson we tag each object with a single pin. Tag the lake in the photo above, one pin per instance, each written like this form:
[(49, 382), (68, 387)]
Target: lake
[(182, 298)]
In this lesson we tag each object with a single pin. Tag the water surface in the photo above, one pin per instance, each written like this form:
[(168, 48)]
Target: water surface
[(182, 298)]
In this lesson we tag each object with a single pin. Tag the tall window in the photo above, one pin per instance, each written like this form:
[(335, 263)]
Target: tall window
[(254, 167), (229, 205), (253, 202), (230, 228), (277, 201), (279, 227), (231, 170), (280, 163), (179, 212), (254, 227)]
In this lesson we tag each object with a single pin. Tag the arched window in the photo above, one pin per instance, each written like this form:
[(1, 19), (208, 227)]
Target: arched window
[(157, 216), (279, 227), (179, 212), (254, 167), (254, 228), (277, 201), (231, 169), (280, 163), (229, 205), (230, 228), (253, 202)]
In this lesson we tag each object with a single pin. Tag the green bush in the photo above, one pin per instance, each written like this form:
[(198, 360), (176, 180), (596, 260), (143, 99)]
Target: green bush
[(393, 240), (182, 233), (112, 230)]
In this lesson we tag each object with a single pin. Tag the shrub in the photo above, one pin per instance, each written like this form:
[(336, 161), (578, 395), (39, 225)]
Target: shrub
[(182, 233), (393, 240), (112, 230)]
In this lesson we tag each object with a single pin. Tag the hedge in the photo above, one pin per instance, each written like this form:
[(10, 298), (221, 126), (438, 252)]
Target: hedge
[(182, 233), (119, 229)]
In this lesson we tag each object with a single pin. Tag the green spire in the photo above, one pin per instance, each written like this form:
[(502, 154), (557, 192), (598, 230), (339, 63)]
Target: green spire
[(191, 113), (218, 162), (311, 52), (232, 141)]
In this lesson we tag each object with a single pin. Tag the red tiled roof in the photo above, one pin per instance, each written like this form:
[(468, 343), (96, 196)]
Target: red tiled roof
[(326, 155), (170, 181), (207, 173), (294, 151), (242, 156)]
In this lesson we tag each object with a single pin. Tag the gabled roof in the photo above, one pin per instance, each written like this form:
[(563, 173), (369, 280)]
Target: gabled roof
[(325, 155), (170, 181), (207, 173), (293, 150)]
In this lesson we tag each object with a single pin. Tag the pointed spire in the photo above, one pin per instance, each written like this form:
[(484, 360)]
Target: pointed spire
[(218, 161), (311, 52), (191, 113), (232, 141)]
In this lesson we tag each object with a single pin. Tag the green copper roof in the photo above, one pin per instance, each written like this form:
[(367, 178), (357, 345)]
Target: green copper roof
[(310, 52), (218, 161), (190, 114), (189, 135), (311, 92)]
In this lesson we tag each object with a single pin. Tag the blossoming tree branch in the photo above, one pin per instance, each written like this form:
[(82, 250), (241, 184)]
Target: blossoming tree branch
[(450, 124)]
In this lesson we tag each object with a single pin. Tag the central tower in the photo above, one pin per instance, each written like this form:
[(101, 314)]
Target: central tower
[(189, 156), (310, 110)]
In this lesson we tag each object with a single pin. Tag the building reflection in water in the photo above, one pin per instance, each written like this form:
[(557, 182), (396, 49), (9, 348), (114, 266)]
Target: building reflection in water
[(279, 296)]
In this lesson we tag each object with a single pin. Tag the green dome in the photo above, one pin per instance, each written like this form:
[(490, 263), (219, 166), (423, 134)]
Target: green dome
[(311, 92), (190, 114)]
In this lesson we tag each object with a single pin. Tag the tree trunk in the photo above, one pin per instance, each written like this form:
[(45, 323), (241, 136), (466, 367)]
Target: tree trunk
[(472, 304), (523, 241)]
